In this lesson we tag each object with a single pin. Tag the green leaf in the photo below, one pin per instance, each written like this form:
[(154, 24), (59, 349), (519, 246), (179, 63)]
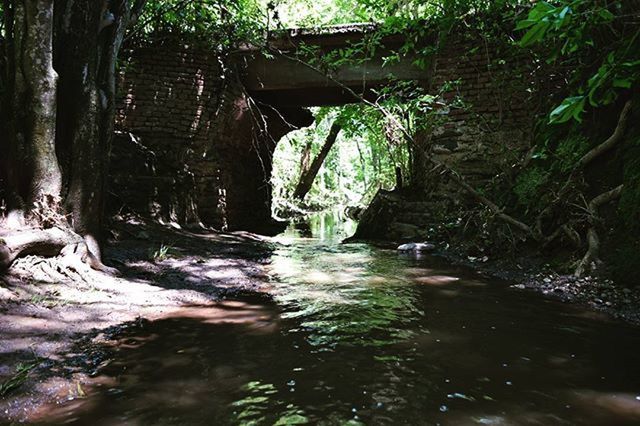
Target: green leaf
[(606, 15), (535, 34), (623, 83), (570, 108), (526, 23), (540, 10)]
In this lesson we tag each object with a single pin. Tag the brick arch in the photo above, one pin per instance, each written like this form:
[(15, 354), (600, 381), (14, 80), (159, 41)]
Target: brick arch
[(199, 155)]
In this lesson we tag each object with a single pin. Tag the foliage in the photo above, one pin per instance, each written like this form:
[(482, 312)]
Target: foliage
[(20, 376), (573, 29), (361, 161), (528, 185), (163, 253), (220, 24), (569, 151)]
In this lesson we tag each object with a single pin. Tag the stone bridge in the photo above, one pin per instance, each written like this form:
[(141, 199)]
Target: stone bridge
[(196, 133)]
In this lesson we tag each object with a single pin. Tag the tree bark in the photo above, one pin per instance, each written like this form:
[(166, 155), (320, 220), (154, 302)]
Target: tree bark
[(34, 180), (41, 82), (89, 39), (71, 117), (305, 159), (306, 179)]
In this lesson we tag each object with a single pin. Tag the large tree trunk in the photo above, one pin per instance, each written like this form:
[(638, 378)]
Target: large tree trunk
[(33, 174), (89, 38), (73, 121), (306, 179)]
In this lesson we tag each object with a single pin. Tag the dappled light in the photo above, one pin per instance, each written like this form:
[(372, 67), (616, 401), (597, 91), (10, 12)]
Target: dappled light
[(356, 334), (324, 212)]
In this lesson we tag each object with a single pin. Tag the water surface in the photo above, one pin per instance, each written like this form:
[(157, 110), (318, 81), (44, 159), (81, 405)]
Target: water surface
[(351, 334)]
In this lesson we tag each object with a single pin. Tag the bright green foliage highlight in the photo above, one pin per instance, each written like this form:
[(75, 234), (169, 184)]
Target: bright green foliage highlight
[(569, 151), (220, 24), (363, 159)]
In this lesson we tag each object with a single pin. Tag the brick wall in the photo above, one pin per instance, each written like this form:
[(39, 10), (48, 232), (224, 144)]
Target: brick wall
[(189, 149), (163, 157), (490, 101)]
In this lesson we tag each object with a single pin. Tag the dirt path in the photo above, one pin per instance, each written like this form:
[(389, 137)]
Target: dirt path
[(50, 315)]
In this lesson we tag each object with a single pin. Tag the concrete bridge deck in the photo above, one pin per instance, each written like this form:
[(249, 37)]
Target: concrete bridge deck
[(284, 79)]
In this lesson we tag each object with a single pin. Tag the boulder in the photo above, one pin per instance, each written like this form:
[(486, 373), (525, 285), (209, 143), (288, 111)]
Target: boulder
[(417, 247)]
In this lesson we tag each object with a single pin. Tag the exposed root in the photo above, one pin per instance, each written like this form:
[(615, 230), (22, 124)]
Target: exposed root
[(591, 259), (489, 204), (584, 161), (49, 243), (44, 242), (79, 253)]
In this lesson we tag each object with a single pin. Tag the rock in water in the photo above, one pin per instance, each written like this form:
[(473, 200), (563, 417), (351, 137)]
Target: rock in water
[(416, 247)]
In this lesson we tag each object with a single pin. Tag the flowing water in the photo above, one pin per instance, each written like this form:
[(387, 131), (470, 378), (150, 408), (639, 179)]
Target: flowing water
[(351, 334)]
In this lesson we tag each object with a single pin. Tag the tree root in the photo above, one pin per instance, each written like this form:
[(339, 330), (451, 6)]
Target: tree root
[(585, 160), (47, 242), (591, 259), (44, 242)]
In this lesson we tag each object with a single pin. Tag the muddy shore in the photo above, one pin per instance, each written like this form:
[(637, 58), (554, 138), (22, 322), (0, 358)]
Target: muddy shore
[(529, 274), (52, 315)]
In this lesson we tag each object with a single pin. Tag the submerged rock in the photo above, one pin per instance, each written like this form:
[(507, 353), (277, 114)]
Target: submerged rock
[(416, 247)]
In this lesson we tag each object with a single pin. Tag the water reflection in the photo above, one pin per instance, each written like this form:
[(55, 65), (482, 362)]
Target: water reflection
[(356, 335)]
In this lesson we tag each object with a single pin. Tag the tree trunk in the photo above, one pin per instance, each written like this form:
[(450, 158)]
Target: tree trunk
[(72, 119), (89, 38), (306, 179), (305, 159), (34, 180), (41, 82)]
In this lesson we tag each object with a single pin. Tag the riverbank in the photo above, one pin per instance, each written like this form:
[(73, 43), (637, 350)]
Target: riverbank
[(47, 308), (531, 273)]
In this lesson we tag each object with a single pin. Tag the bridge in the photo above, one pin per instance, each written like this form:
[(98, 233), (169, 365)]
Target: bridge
[(201, 155), (283, 79)]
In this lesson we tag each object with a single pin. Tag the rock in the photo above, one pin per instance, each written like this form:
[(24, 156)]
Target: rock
[(354, 212), (419, 247)]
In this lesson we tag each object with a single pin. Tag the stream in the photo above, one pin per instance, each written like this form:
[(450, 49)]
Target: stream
[(352, 334)]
